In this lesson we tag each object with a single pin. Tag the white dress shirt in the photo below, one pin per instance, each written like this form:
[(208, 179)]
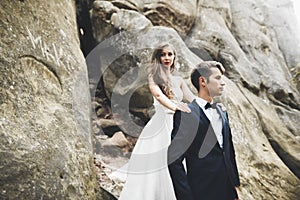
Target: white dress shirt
[(214, 118)]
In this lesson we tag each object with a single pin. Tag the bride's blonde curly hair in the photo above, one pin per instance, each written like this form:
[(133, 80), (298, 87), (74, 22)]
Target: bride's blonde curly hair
[(159, 71)]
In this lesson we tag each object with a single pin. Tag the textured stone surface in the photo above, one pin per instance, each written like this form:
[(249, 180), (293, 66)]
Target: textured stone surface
[(45, 140), (179, 15), (258, 43)]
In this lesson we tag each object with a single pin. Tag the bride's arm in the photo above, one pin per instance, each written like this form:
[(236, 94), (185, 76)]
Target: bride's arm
[(163, 99), (187, 93)]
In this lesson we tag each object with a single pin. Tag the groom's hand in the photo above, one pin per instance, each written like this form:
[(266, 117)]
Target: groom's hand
[(238, 191)]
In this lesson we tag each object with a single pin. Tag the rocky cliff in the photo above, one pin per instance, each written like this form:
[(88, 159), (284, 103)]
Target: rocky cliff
[(46, 147), (257, 42), (45, 132)]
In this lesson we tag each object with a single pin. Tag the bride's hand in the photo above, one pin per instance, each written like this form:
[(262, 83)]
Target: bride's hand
[(183, 107), (223, 108)]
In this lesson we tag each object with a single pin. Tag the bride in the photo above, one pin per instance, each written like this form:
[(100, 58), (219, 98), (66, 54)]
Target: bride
[(147, 170)]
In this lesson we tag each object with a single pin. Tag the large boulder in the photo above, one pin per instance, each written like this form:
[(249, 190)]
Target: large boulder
[(129, 52), (252, 45), (45, 140), (254, 123), (179, 15), (258, 44)]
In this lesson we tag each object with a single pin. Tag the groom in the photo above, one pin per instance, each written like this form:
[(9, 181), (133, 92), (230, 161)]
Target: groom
[(204, 139)]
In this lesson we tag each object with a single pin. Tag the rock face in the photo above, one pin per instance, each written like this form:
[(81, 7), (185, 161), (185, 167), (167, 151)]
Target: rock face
[(179, 15), (257, 42), (45, 140)]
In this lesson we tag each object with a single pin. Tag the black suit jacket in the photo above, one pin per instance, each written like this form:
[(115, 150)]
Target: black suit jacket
[(211, 170)]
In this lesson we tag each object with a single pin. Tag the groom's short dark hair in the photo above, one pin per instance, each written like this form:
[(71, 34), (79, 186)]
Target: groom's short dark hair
[(203, 69)]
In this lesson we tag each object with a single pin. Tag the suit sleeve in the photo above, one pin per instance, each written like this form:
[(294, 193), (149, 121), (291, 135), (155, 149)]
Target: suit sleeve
[(232, 157), (176, 154)]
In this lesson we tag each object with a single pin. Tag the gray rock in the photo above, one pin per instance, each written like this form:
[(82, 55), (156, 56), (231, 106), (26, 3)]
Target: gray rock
[(179, 15), (45, 140), (118, 139), (257, 42), (130, 20)]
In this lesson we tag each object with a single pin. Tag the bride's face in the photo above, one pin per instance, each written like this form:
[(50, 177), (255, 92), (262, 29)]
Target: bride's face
[(167, 57)]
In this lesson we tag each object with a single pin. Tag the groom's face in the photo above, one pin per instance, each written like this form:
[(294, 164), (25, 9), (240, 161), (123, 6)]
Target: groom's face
[(215, 83)]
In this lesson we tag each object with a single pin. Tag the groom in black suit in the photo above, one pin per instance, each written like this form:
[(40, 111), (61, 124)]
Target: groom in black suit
[(204, 139)]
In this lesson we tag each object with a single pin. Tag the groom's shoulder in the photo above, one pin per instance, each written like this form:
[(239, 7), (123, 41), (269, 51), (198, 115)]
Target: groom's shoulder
[(193, 105)]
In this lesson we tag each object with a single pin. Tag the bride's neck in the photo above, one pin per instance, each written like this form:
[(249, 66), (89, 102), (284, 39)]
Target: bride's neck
[(168, 73)]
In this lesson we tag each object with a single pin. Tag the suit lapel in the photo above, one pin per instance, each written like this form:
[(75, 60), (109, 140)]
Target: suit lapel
[(221, 113), (224, 132), (196, 107)]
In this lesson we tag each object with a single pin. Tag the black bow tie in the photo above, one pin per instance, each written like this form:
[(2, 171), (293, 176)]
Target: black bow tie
[(208, 105)]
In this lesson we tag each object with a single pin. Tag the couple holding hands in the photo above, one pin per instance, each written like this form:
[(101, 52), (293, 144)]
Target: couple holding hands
[(185, 151)]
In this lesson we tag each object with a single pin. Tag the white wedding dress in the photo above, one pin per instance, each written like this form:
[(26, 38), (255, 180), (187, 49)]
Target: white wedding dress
[(146, 173)]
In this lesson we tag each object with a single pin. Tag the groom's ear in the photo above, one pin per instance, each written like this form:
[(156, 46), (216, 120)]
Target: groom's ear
[(202, 81)]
